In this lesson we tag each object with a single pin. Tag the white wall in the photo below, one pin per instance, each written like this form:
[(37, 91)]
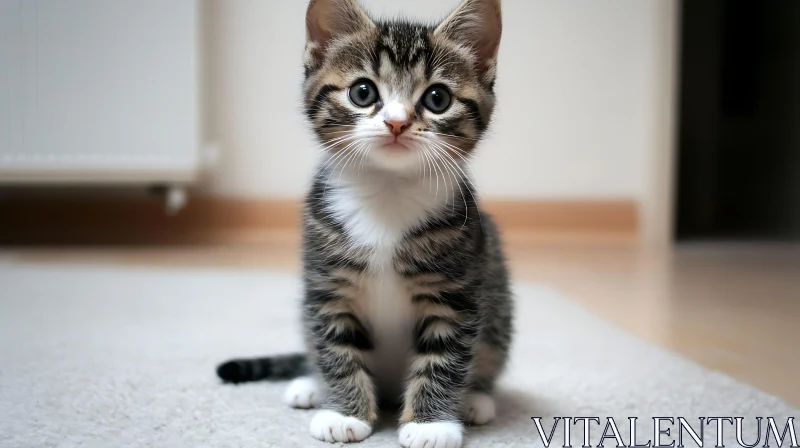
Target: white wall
[(579, 90)]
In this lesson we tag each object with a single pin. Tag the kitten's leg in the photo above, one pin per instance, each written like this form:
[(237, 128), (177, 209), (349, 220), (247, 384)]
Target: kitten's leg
[(445, 335), (479, 406), (350, 400), (303, 393)]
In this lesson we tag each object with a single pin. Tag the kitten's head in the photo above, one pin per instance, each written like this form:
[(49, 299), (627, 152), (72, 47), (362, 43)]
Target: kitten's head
[(398, 95)]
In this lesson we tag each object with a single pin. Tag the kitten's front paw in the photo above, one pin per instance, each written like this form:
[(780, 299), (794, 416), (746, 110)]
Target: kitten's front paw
[(480, 409), (431, 435), (303, 393), (331, 426)]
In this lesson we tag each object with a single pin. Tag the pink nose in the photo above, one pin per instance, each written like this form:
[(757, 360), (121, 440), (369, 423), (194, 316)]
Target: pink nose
[(397, 126)]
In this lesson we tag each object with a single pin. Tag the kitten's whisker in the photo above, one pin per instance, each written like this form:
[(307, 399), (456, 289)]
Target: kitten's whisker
[(457, 137), (427, 171), (364, 158), (435, 171), (425, 143), (421, 163), (449, 157), (337, 156), (429, 165), (346, 143), (438, 141), (431, 174), (333, 142), (341, 139), (346, 134), (439, 172), (346, 131), (333, 170), (463, 198), (465, 177), (459, 152), (447, 154), (330, 145), (452, 175), (450, 181), (363, 136), (457, 181), (330, 160), (347, 161)]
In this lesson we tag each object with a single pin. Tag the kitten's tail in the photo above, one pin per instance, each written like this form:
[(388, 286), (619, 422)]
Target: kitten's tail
[(282, 367)]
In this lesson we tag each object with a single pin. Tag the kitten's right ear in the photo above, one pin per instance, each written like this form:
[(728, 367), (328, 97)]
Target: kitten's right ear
[(327, 20), (477, 24)]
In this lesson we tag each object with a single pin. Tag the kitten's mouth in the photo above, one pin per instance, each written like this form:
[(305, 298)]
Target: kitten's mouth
[(394, 143)]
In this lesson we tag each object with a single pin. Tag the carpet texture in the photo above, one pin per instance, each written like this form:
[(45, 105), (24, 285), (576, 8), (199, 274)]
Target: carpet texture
[(107, 357)]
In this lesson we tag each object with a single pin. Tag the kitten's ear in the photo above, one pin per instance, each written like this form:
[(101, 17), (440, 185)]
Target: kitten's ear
[(328, 19), (477, 24)]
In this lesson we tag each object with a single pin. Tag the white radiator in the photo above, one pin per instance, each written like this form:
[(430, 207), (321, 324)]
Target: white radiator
[(99, 91)]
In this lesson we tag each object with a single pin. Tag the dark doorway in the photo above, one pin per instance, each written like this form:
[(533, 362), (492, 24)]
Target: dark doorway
[(739, 123)]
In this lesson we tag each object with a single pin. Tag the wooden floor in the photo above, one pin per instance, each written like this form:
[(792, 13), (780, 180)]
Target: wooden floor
[(732, 308)]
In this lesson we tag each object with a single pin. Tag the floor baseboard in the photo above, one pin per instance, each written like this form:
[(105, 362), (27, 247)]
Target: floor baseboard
[(131, 221)]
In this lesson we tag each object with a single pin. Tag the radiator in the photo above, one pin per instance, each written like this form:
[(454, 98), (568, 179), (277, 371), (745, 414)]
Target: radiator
[(99, 91)]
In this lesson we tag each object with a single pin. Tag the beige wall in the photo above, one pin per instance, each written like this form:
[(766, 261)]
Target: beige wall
[(581, 94)]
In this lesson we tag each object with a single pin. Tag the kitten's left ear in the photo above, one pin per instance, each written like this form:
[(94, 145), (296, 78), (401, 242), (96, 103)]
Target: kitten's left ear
[(327, 20), (477, 24)]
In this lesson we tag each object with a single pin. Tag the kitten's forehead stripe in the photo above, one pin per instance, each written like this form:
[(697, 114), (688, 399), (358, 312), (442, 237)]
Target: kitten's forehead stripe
[(403, 42)]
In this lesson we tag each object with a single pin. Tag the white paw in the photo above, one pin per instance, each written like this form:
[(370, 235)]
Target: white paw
[(331, 426), (480, 409), (303, 393), (431, 435)]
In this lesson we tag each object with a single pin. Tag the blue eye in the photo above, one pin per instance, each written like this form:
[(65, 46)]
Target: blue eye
[(437, 99), (363, 93)]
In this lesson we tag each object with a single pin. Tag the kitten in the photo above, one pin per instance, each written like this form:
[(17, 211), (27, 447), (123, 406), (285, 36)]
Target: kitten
[(407, 299)]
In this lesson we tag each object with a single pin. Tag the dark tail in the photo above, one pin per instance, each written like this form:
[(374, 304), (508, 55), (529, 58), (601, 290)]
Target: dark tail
[(283, 367)]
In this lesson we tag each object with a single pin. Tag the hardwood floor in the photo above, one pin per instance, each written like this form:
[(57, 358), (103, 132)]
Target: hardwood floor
[(731, 308)]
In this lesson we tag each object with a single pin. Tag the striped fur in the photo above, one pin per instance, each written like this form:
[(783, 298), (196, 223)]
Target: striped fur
[(407, 298)]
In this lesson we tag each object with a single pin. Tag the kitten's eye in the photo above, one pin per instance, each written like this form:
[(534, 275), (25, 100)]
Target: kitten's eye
[(437, 99), (363, 93)]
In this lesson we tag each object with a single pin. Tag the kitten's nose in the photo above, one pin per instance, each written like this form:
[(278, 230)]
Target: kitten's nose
[(397, 126)]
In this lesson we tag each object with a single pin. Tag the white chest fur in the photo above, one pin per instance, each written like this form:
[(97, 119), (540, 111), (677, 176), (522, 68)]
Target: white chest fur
[(376, 211)]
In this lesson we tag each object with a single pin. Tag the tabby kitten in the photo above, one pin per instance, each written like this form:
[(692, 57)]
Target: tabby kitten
[(407, 299)]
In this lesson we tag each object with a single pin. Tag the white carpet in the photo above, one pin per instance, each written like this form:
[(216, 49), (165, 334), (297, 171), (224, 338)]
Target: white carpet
[(103, 357)]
